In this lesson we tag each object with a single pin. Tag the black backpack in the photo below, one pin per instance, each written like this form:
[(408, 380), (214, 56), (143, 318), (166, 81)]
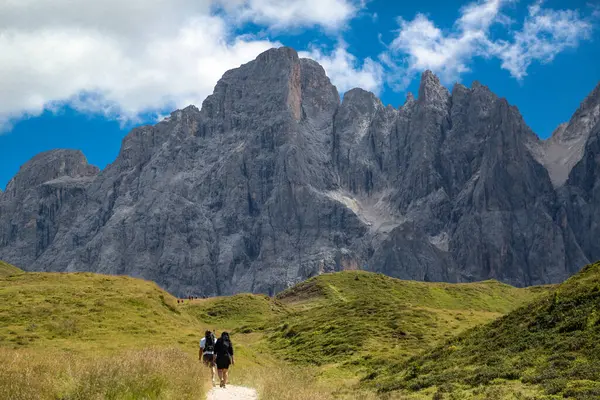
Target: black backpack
[(209, 344), (226, 344)]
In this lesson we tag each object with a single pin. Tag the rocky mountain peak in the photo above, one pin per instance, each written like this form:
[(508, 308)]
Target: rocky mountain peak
[(362, 100), (592, 99), (428, 75), (484, 93), (278, 55), (316, 96), (359, 93), (478, 85), (276, 81), (47, 166), (459, 87), (586, 116), (431, 91), (566, 146)]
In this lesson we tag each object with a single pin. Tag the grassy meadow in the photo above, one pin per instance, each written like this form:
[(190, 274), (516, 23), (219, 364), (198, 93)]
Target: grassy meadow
[(88, 336), (348, 335), (549, 348)]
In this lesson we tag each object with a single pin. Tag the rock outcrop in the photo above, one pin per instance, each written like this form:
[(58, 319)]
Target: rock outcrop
[(40, 201), (274, 180)]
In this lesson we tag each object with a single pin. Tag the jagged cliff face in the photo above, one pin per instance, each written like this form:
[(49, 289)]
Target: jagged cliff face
[(274, 180), (41, 201)]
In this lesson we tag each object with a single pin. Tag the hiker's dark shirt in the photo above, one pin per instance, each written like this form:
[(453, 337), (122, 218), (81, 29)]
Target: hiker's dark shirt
[(221, 350)]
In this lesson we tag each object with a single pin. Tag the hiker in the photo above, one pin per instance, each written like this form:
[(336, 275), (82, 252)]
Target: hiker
[(207, 353), (224, 357)]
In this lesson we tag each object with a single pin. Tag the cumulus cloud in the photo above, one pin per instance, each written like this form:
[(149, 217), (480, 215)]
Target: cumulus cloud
[(125, 58), (53, 65), (347, 72), (280, 14), (421, 45), (545, 33)]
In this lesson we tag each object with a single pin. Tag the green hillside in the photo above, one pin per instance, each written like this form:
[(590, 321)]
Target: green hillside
[(8, 270), (82, 336), (84, 311), (358, 321), (124, 338), (242, 312), (549, 349)]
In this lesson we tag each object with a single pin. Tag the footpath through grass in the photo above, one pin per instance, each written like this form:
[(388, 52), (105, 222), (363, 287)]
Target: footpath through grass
[(351, 324)]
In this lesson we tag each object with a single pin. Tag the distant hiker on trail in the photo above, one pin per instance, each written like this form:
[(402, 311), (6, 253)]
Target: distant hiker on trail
[(207, 352), (224, 357)]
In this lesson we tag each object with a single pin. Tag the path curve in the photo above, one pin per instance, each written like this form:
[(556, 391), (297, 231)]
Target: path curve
[(232, 393)]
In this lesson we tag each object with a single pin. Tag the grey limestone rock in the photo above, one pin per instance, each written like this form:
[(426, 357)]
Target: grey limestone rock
[(43, 198), (275, 180), (565, 148)]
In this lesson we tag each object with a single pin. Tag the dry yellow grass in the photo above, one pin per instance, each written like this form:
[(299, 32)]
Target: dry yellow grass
[(142, 374), (285, 382)]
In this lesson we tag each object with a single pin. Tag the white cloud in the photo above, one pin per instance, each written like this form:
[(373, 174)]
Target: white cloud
[(480, 16), (545, 33), (52, 65), (130, 57), (127, 19), (425, 46), (280, 14), (346, 72), (421, 45)]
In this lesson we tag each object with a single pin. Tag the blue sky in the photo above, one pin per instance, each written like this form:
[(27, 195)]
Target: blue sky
[(81, 75)]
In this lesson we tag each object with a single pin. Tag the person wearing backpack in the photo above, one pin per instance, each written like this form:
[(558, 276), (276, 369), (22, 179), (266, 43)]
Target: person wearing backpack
[(224, 357), (207, 352)]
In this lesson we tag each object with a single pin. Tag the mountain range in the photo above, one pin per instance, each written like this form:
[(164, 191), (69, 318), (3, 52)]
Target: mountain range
[(276, 179)]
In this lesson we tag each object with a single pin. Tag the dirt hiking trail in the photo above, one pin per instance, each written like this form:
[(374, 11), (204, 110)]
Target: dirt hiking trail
[(232, 393)]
